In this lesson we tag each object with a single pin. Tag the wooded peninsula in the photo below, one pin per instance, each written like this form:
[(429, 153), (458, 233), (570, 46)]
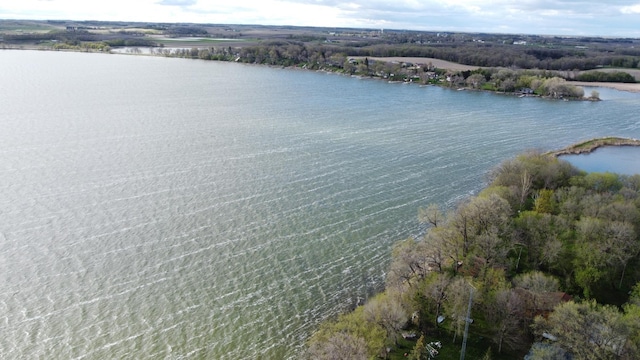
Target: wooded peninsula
[(542, 264), (525, 65)]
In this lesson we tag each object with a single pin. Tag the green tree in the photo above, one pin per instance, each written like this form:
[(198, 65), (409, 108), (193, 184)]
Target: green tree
[(587, 330), (545, 202), (419, 351), (539, 234)]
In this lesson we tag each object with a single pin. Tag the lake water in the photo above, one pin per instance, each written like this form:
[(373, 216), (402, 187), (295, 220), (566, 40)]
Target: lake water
[(621, 160), (171, 208)]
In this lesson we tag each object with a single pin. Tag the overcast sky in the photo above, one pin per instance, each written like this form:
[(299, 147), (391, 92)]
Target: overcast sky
[(547, 17)]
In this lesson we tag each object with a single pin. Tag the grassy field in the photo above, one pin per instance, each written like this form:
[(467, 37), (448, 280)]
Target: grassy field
[(25, 26)]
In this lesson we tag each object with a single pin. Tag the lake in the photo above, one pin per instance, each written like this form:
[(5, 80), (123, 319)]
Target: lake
[(617, 159), (172, 208)]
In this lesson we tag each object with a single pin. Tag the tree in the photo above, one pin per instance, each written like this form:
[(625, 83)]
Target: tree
[(349, 67), (477, 216), (537, 282), (606, 249), (539, 235), (621, 245), (437, 249), (431, 215), (410, 262), (505, 314), (355, 325), (488, 226), (546, 351), (544, 201), (387, 312), (339, 346), (589, 261), (436, 292), (632, 319), (419, 351), (476, 81), (456, 303), (558, 88), (587, 330), (490, 247)]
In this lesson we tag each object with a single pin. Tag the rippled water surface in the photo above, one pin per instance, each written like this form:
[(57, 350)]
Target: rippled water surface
[(168, 208)]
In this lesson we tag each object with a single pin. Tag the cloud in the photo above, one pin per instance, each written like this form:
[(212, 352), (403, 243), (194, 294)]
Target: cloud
[(177, 2), (631, 9), (553, 17)]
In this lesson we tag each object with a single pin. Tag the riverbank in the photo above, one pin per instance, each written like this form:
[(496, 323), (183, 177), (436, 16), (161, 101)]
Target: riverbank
[(588, 146)]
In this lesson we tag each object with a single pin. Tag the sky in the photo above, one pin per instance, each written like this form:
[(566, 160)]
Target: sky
[(543, 17)]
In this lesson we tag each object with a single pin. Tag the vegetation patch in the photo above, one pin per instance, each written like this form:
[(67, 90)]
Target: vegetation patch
[(544, 262)]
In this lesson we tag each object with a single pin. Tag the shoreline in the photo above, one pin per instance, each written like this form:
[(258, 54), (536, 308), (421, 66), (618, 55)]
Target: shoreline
[(443, 64), (588, 146)]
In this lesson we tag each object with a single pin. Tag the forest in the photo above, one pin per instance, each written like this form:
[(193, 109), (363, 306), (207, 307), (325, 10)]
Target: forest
[(544, 261)]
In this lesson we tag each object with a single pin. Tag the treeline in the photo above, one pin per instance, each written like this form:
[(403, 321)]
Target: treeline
[(185, 30), (499, 55), (613, 76), (326, 57), (58, 35), (548, 255), (82, 39), (507, 50), (482, 55)]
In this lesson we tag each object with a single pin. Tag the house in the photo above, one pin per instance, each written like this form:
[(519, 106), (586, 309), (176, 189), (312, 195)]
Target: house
[(525, 91)]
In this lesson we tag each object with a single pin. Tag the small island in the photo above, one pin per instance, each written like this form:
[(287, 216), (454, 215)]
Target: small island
[(588, 146)]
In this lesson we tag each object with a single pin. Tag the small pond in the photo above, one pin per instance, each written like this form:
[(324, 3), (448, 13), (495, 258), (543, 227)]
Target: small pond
[(615, 159)]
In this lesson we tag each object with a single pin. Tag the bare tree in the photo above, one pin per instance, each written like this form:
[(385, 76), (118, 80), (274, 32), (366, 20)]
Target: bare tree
[(340, 346), (431, 215), (505, 315), (536, 281), (436, 291), (386, 311)]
